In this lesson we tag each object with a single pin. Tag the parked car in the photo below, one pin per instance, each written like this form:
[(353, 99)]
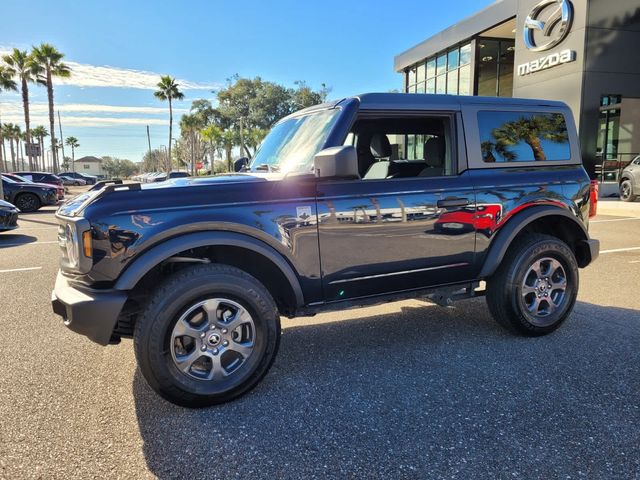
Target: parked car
[(8, 216), (73, 181), (46, 178), (28, 197), (89, 179), (59, 189), (338, 209), (162, 176), (630, 181)]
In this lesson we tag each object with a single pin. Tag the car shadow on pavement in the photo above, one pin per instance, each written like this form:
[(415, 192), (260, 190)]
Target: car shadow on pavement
[(13, 240), (425, 392)]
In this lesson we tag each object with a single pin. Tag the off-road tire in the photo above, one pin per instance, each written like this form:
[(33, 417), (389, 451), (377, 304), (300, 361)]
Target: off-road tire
[(152, 335), (505, 287)]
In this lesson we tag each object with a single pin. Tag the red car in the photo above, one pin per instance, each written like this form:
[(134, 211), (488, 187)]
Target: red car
[(28, 177)]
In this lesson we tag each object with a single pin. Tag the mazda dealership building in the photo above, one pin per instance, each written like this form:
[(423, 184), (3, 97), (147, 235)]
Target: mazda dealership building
[(583, 52)]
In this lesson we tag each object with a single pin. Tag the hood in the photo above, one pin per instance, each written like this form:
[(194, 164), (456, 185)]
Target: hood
[(76, 205), (4, 204), (216, 179)]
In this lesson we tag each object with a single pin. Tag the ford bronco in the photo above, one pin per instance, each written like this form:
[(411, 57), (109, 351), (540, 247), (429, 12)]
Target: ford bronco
[(369, 199)]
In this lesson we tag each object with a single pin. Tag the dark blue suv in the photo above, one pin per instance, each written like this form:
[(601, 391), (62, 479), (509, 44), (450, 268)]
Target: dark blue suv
[(365, 200)]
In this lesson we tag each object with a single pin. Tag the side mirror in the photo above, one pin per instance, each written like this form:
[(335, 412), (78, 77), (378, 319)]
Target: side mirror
[(240, 164), (337, 162)]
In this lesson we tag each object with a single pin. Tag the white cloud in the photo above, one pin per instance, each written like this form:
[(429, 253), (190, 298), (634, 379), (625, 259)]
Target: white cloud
[(84, 75), (84, 121), (15, 108)]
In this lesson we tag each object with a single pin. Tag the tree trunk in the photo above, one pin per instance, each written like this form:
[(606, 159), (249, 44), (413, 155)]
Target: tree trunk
[(13, 155), (170, 133), (21, 150), (536, 148), (42, 159), (54, 153), (228, 152), (25, 103), (2, 169)]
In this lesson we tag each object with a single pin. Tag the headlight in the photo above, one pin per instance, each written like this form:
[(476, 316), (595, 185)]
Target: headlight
[(74, 238), (73, 253)]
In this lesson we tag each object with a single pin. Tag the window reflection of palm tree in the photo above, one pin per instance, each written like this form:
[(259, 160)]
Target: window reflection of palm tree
[(530, 130)]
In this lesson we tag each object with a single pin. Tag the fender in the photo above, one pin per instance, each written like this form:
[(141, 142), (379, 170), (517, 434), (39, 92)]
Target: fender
[(145, 262), (514, 226)]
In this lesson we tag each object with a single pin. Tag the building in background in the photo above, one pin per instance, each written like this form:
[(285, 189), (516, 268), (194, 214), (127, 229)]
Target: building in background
[(583, 52), (90, 165)]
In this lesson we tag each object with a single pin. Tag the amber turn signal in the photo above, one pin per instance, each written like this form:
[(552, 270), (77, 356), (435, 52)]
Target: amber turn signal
[(86, 244)]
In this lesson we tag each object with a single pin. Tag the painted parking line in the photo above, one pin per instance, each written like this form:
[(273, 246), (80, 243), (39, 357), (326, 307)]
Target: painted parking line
[(615, 220), (614, 250), (26, 269)]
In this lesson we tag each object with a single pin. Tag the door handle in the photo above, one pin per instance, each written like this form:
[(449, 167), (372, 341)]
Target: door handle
[(454, 202)]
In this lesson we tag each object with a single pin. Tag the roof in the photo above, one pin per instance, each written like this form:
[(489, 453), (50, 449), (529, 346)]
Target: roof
[(485, 19), (381, 101), (88, 159)]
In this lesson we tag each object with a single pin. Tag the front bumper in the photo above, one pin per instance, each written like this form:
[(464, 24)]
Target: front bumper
[(92, 313)]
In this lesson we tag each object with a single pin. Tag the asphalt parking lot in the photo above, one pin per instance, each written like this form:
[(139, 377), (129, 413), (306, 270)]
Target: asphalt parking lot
[(406, 390)]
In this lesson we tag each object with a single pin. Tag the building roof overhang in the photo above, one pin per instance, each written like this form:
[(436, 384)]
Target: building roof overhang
[(494, 14)]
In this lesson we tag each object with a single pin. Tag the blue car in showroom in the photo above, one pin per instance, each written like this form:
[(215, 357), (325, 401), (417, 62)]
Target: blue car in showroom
[(8, 216)]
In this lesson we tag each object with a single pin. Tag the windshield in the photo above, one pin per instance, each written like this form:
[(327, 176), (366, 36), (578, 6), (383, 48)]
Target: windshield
[(291, 145), (19, 179)]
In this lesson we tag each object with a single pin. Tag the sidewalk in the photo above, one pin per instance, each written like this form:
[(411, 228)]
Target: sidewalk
[(613, 206)]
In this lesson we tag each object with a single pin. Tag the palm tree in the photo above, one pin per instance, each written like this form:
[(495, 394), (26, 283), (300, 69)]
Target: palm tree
[(6, 84), (530, 130), (21, 65), (168, 90), (12, 133), (73, 143), (50, 61), (40, 132)]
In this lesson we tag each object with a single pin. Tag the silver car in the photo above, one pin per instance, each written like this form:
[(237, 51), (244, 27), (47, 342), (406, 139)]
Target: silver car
[(630, 181)]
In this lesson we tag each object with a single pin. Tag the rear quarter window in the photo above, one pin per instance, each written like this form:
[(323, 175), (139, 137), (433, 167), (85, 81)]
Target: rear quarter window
[(507, 137)]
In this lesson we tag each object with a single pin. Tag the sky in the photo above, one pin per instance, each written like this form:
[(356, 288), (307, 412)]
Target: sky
[(118, 49)]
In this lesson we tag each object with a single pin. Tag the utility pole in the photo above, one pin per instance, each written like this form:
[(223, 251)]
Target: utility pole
[(149, 140), (62, 143)]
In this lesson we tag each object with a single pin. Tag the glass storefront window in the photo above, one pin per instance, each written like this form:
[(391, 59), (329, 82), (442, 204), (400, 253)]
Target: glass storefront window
[(452, 82), (431, 68), (465, 54), (441, 64), (420, 88), (452, 59), (431, 85), (465, 80), (420, 73), (441, 84), (412, 75)]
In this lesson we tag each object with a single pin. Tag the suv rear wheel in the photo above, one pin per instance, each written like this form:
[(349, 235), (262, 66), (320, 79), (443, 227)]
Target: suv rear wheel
[(535, 288), (626, 191), (209, 334)]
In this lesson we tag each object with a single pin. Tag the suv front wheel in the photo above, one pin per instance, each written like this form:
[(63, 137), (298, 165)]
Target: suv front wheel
[(208, 334), (535, 288)]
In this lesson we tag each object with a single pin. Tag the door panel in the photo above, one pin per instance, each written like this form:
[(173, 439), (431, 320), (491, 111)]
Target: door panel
[(389, 235)]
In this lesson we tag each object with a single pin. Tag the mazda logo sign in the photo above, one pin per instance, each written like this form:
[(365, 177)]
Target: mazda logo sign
[(547, 24)]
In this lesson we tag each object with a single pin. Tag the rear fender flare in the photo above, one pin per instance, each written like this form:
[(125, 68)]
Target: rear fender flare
[(506, 234)]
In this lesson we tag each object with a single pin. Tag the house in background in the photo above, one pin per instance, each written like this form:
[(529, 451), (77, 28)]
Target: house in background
[(89, 165)]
